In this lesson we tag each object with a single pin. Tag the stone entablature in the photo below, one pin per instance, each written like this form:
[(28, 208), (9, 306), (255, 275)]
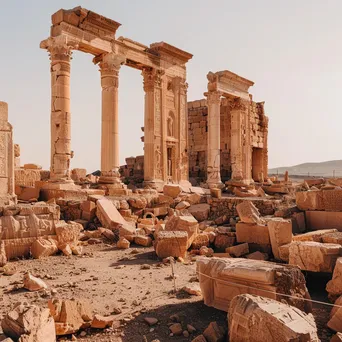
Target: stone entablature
[(163, 69), (239, 130)]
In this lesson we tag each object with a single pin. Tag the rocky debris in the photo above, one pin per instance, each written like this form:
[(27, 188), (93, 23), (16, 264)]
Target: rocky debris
[(214, 333), (123, 243), (68, 234), (314, 256), (70, 315), (248, 213), (252, 233), (335, 321), (199, 338), (138, 202), (334, 286), (32, 283), (108, 214), (254, 318), (206, 251), (108, 234), (192, 289), (9, 269), (223, 241), (176, 329), (29, 323), (183, 223), (171, 243), (238, 250), (43, 248), (200, 240), (172, 190), (182, 205), (280, 232), (102, 322), (221, 278), (142, 240), (200, 211)]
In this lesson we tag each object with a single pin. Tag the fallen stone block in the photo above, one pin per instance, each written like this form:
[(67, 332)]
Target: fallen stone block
[(223, 241), (200, 240), (69, 315), (310, 200), (142, 240), (332, 238), (258, 319), (102, 322), (221, 279), (332, 200), (314, 256), (316, 236), (334, 286), (248, 213), (68, 234), (238, 250), (280, 232), (29, 323), (258, 256), (199, 338), (335, 321), (43, 248), (171, 243), (317, 220), (108, 215), (214, 333), (284, 252), (123, 243), (252, 233), (172, 190), (32, 283), (298, 223), (183, 223), (200, 211)]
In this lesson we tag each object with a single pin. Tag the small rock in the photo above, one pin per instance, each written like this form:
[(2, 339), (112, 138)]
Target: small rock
[(145, 267), (176, 329), (191, 328), (32, 283), (151, 320), (192, 289), (186, 333), (102, 322), (9, 269)]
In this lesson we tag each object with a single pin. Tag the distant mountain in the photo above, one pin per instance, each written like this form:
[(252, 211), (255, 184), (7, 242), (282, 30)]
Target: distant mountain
[(324, 169)]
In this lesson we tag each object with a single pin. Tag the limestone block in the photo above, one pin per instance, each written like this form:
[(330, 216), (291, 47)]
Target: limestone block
[(200, 211), (335, 322), (108, 215), (26, 177), (172, 190), (171, 243), (29, 323), (183, 223), (138, 202), (316, 236), (32, 283), (26, 193), (142, 240), (32, 166), (252, 233), (298, 223), (43, 248), (258, 319), (214, 333), (193, 198), (223, 241), (78, 175), (280, 231), (69, 315), (314, 256), (221, 279), (316, 220), (334, 286), (284, 252), (68, 234), (123, 243), (182, 205), (332, 200), (332, 238), (238, 250), (257, 256), (248, 213), (200, 240), (310, 200), (102, 322)]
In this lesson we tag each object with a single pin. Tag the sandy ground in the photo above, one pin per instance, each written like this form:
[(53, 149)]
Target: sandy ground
[(113, 279)]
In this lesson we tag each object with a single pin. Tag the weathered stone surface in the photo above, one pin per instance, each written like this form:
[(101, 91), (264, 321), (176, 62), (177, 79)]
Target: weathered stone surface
[(200, 240), (310, 200), (334, 286), (257, 256), (182, 205), (314, 256), (200, 211), (248, 213), (238, 250), (32, 283), (258, 319), (316, 220), (332, 238), (43, 248), (143, 240), (123, 243), (335, 322), (298, 223), (214, 333), (171, 243), (102, 322), (221, 279), (284, 252), (316, 236), (29, 323), (252, 233), (108, 214), (223, 241), (280, 232), (172, 190), (68, 234), (336, 338), (69, 315), (183, 223)]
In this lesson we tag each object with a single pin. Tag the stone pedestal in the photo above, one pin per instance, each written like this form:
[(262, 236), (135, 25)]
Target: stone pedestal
[(214, 151)]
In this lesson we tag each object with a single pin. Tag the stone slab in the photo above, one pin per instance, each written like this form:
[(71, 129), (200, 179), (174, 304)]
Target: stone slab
[(252, 233), (316, 220)]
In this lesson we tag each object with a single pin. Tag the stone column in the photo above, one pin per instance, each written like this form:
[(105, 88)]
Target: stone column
[(214, 141), (237, 141), (110, 65), (153, 149), (60, 49)]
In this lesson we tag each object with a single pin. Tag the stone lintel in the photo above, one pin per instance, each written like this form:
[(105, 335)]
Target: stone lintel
[(167, 49)]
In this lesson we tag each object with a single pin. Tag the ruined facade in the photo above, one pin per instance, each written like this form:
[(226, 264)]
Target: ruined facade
[(164, 81), (227, 132)]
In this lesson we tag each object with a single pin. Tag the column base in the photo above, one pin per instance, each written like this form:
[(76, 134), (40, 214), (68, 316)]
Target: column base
[(215, 185), (59, 184), (239, 182), (157, 184), (112, 182)]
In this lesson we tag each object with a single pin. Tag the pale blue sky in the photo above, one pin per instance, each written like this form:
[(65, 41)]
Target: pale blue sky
[(291, 49)]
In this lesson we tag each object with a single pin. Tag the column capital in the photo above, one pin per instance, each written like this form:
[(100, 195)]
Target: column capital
[(110, 62), (152, 78), (180, 84), (59, 48), (213, 97)]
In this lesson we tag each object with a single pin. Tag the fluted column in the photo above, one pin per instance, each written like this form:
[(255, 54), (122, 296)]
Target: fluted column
[(110, 163), (60, 49), (213, 150)]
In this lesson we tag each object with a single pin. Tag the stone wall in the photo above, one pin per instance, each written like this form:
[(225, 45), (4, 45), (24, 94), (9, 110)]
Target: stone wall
[(198, 132)]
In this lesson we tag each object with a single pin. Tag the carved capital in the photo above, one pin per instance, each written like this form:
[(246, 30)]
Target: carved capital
[(111, 63), (240, 104), (213, 97), (60, 48), (152, 78), (212, 81)]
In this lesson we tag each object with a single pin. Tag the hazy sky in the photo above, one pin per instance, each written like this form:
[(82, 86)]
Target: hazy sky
[(291, 49)]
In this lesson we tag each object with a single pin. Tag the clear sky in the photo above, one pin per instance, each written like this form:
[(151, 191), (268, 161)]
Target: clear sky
[(291, 49)]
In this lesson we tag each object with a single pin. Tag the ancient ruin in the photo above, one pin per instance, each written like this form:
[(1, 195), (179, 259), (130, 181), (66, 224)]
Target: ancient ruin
[(137, 252)]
